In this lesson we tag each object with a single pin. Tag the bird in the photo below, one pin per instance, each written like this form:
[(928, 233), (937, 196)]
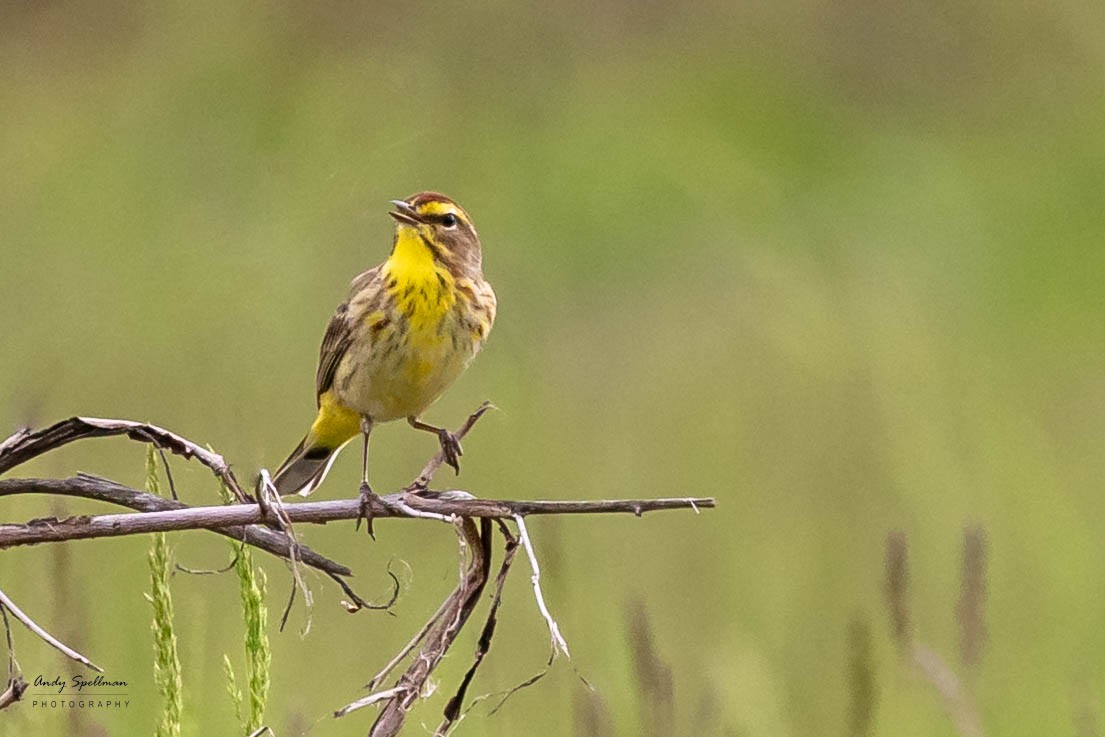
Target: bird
[(409, 328)]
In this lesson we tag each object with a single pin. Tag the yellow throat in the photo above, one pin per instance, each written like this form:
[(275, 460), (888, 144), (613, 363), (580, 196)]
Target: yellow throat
[(424, 290)]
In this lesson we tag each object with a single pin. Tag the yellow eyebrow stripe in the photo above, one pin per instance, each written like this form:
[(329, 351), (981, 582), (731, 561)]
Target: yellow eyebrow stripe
[(433, 207)]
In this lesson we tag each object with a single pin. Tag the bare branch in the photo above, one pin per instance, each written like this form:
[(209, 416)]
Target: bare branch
[(26, 444), (253, 524), (459, 606), (971, 609), (50, 639), (406, 649), (13, 664), (101, 489), (428, 471), (453, 714), (226, 518)]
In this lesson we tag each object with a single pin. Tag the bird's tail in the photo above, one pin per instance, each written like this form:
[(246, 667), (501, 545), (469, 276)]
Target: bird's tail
[(308, 464), (306, 467)]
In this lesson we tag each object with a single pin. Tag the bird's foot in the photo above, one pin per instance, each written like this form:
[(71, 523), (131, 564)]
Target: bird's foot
[(368, 498), (450, 449)]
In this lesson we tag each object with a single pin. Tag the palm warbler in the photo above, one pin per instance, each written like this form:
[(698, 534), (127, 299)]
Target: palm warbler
[(409, 328)]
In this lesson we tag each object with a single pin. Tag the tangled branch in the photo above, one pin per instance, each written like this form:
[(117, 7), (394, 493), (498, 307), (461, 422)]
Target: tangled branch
[(267, 525)]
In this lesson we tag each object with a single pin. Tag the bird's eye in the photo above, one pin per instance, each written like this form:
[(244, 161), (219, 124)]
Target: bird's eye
[(449, 220)]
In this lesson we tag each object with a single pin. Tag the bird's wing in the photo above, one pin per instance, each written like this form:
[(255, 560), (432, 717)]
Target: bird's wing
[(339, 335)]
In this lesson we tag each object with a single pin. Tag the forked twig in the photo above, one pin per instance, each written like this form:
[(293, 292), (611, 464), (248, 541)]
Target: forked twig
[(424, 477)]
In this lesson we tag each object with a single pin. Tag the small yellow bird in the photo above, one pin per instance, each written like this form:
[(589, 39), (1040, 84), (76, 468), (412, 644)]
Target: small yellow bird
[(409, 328)]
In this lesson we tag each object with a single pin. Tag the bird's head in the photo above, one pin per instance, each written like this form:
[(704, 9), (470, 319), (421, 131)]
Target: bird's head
[(444, 228)]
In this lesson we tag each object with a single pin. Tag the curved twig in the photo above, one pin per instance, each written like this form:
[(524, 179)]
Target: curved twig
[(26, 444)]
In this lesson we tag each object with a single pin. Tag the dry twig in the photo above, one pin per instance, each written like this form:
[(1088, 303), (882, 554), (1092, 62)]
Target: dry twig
[(16, 684), (69, 652), (26, 444), (100, 489), (423, 479), (453, 713), (440, 636), (173, 518), (558, 643)]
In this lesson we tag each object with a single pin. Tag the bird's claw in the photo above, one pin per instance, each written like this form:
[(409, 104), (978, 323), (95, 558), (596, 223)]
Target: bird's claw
[(450, 448), (368, 496)]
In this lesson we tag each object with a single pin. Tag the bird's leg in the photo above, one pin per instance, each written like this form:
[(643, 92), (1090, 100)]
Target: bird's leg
[(367, 494), (450, 446)]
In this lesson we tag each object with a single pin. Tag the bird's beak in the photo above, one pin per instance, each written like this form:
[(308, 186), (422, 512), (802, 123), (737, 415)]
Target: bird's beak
[(404, 213)]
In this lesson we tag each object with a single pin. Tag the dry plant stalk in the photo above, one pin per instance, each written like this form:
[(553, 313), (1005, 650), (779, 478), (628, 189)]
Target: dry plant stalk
[(655, 684), (954, 696), (897, 588), (970, 611), (592, 717), (861, 679)]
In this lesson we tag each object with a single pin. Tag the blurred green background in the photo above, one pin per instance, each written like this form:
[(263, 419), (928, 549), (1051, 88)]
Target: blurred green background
[(839, 264)]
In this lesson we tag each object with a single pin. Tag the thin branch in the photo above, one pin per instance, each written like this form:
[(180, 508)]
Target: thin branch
[(267, 495), (406, 649), (50, 639), (441, 636), (226, 518), (428, 471), (453, 714), (101, 489), (177, 567), (13, 665), (515, 689), (26, 444)]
